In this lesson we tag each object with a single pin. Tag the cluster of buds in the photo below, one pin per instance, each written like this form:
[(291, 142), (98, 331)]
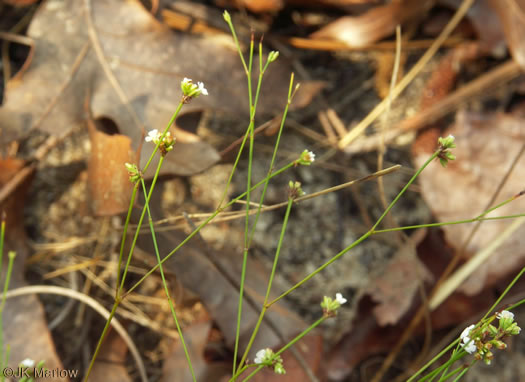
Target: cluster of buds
[(306, 158), (480, 341), (331, 305), (133, 172), (191, 90), (444, 145), (27, 368), (165, 142), (267, 357), (295, 190)]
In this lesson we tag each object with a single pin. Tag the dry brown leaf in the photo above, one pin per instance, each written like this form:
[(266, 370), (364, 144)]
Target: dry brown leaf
[(219, 291), (512, 17), (395, 288), (377, 23), (175, 367), (486, 24), (486, 147), (145, 61), (25, 327), (110, 365), (108, 179)]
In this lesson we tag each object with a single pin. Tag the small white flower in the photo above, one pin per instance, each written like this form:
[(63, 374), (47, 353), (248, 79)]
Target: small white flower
[(202, 89), (339, 298), (28, 362), (186, 80), (505, 314), (261, 356), (152, 136), (468, 343), (311, 156), (466, 332)]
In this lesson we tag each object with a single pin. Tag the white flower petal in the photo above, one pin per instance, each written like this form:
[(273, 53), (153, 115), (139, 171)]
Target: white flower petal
[(28, 362), (466, 332), (152, 135), (505, 314), (340, 299), (470, 347), (260, 356), (202, 89)]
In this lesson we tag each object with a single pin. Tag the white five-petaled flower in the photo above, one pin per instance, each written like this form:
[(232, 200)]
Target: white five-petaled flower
[(262, 356), (28, 362), (202, 89), (505, 314), (468, 343), (153, 135), (340, 299), (191, 90), (311, 156)]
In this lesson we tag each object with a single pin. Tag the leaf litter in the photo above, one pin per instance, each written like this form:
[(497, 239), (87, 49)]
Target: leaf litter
[(27, 109)]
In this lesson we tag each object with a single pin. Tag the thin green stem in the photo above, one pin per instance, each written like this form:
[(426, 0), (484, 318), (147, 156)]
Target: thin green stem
[(287, 346), (270, 282), (497, 206), (465, 369), (505, 292), (238, 45), (101, 339), (139, 225), (363, 237), (453, 372), (274, 157), (11, 258), (448, 223), (203, 224), (437, 357), (2, 237), (253, 108), (124, 234), (134, 195), (164, 282), (3, 363), (118, 297)]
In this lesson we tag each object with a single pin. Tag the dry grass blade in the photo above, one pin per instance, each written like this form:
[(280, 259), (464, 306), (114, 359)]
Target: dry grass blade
[(450, 285), (380, 108), (233, 215), (92, 303)]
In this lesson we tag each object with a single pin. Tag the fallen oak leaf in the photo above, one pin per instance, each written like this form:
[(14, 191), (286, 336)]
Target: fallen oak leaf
[(145, 78)]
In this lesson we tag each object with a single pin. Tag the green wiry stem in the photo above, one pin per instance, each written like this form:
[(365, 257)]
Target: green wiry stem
[(363, 237), (247, 218), (164, 282), (479, 218), (139, 225), (11, 258), (118, 297), (202, 225), (270, 282), (101, 339), (284, 348), (274, 157), (134, 195)]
